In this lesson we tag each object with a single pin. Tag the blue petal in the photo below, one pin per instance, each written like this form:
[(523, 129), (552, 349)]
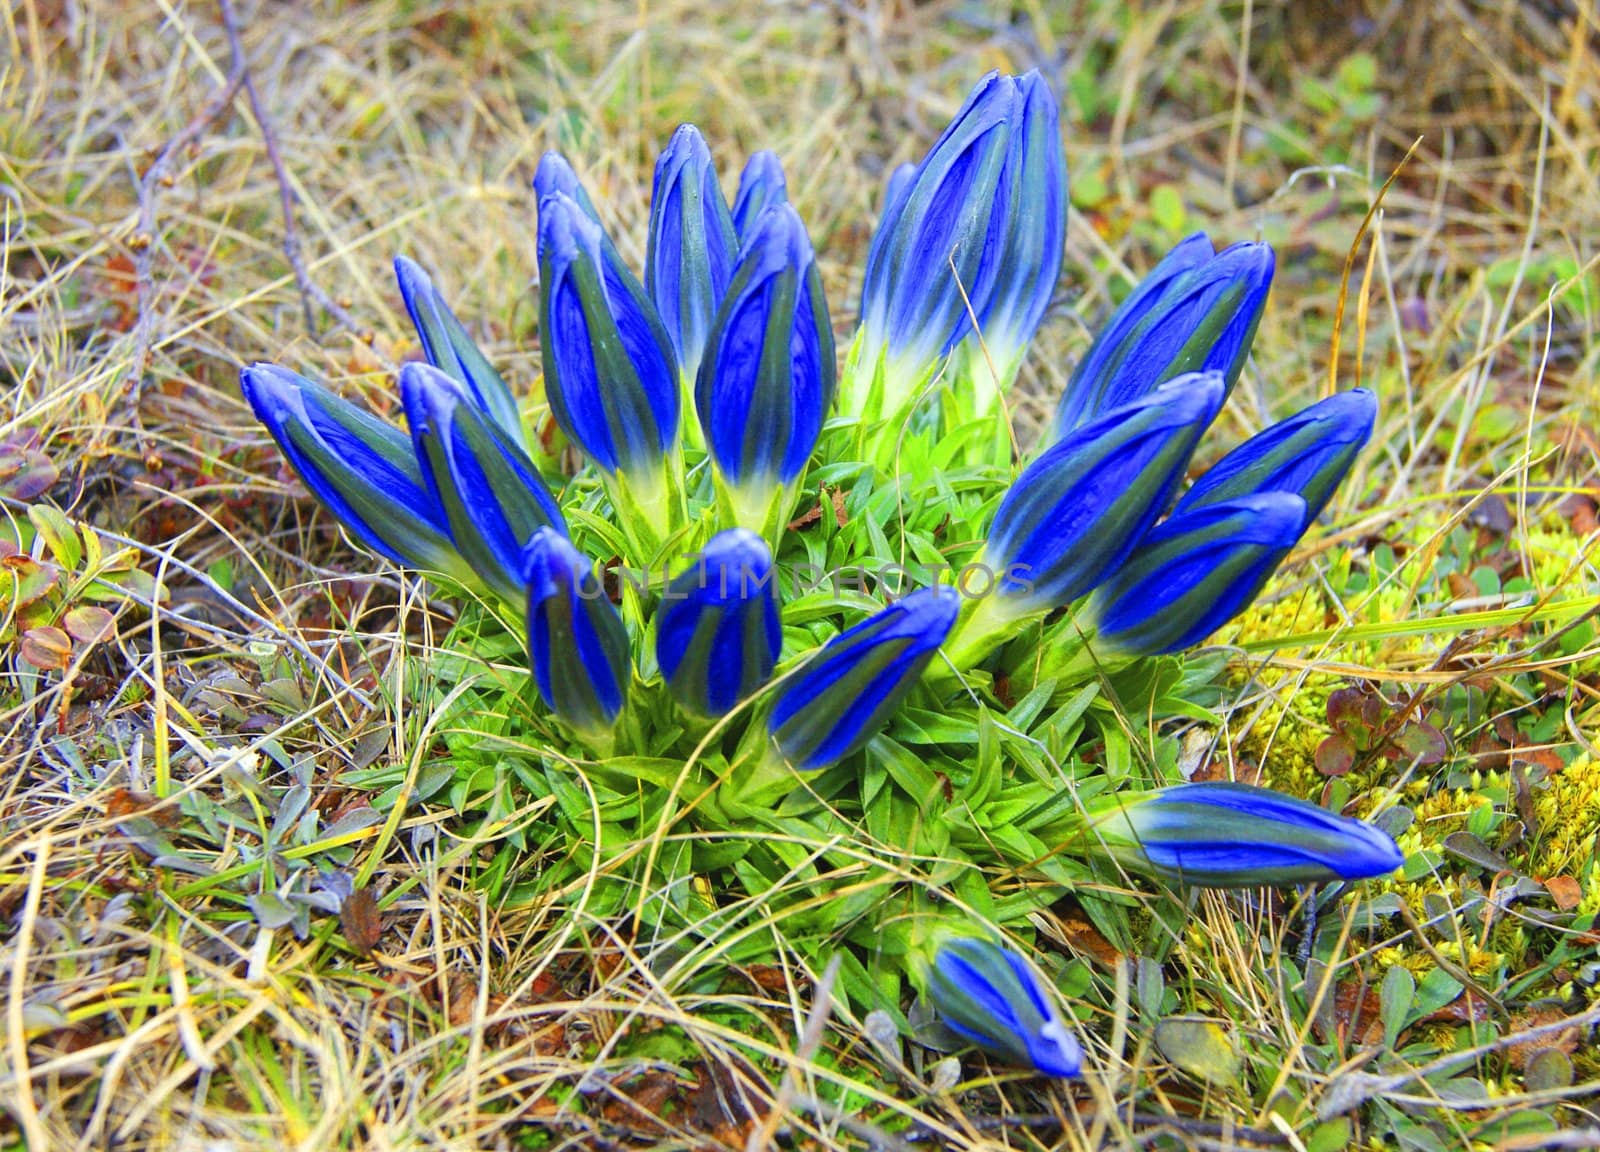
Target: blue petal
[(1196, 572), (577, 644), (761, 185), (361, 468), (1307, 454), (1076, 513), (851, 686)]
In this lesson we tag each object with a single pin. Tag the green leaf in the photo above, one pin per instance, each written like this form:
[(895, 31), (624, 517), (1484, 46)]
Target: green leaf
[(1200, 1048), (1395, 996), (58, 533)]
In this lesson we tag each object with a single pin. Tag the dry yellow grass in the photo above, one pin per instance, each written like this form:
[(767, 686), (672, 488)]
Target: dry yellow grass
[(146, 1008)]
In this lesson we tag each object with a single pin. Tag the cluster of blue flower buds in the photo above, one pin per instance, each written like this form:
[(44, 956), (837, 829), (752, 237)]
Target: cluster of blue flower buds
[(724, 349)]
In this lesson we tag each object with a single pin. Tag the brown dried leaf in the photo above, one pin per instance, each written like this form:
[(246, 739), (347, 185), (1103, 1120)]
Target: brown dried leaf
[(125, 802), (1088, 939), (768, 977), (1565, 891), (1520, 1052), (361, 920), (1579, 511)]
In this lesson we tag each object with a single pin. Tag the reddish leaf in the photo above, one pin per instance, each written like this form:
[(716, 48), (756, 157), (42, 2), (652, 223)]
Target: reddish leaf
[(33, 579), (1336, 755), (48, 649), (26, 474), (89, 624), (1422, 742)]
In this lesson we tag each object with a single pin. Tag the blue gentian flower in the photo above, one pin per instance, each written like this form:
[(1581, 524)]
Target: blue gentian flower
[(448, 348), (1308, 454), (761, 185), (718, 634), (988, 994), (1193, 573), (554, 175), (360, 468), (608, 365), (492, 494), (935, 251), (768, 375), (1196, 311), (1236, 836), (576, 640), (1077, 511), (849, 688), (692, 245), (1026, 236)]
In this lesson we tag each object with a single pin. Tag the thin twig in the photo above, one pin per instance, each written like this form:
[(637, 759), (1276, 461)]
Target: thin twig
[(310, 294)]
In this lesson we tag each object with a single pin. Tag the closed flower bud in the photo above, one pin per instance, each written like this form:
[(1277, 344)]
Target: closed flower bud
[(692, 245), (1235, 836), (451, 350), (761, 185), (608, 365), (1307, 454), (361, 469), (554, 175), (718, 634), (935, 250), (1078, 510), (1193, 573), (849, 688), (768, 374), (1032, 230), (492, 495), (1196, 311), (576, 640), (989, 995)]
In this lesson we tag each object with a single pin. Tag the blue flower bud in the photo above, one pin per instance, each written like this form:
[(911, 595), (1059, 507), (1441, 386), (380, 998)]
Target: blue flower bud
[(718, 635), (492, 495), (554, 175), (849, 688), (937, 247), (1029, 231), (576, 640), (450, 349), (360, 468), (977, 229), (1235, 836), (1077, 511), (768, 374), (761, 185), (1193, 573), (1196, 311), (692, 245), (895, 190), (608, 366), (989, 995), (1307, 454)]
